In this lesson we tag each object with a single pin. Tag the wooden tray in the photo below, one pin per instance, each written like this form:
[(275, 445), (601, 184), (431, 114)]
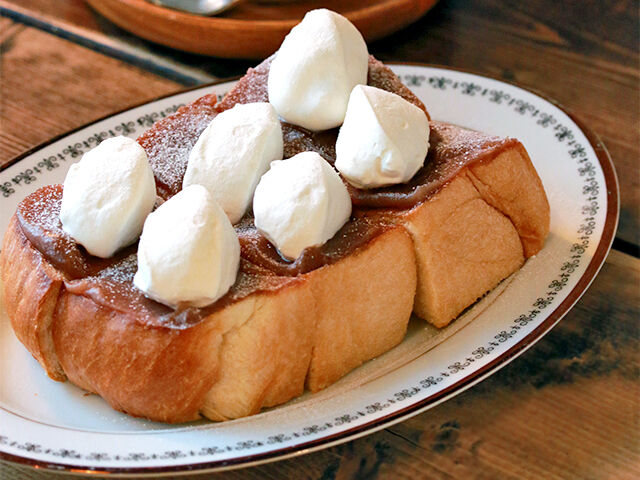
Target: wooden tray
[(252, 30)]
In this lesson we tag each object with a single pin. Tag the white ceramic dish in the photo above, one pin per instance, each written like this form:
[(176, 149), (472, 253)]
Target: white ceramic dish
[(58, 426)]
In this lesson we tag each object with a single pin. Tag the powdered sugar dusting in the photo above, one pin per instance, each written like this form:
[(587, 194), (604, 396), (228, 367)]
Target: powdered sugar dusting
[(382, 77), (459, 145), (121, 272), (39, 219), (43, 208), (250, 88), (169, 142)]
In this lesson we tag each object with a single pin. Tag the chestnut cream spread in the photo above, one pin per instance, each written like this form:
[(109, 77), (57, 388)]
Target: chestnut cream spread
[(168, 144), (110, 281)]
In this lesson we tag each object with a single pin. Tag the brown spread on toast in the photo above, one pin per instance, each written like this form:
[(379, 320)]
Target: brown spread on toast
[(469, 218), (168, 143)]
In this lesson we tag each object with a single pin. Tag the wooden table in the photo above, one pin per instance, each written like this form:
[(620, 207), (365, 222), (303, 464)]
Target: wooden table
[(569, 407)]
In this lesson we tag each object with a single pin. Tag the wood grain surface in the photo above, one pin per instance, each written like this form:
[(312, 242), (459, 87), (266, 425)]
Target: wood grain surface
[(567, 408), (50, 86)]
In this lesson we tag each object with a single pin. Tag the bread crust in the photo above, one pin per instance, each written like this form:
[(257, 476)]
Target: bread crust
[(475, 232), (363, 304), (30, 294), (264, 356), (512, 186), (436, 259), (464, 248), (264, 349), (252, 354)]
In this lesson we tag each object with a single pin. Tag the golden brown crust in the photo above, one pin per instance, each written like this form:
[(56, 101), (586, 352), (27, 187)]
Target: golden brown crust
[(464, 248), (31, 288), (254, 353), (139, 370), (363, 306), (262, 350), (318, 329), (475, 232), (159, 373), (265, 354), (511, 184)]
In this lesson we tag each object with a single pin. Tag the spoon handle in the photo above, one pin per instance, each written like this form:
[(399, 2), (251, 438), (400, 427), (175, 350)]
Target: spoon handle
[(197, 7)]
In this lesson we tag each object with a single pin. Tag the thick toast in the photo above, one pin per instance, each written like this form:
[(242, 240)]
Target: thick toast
[(281, 327), (460, 254), (254, 352)]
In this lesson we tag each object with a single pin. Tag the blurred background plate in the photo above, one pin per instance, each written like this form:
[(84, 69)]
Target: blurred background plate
[(252, 30)]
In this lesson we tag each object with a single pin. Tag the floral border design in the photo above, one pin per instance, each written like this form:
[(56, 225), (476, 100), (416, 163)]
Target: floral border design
[(590, 191), (75, 150)]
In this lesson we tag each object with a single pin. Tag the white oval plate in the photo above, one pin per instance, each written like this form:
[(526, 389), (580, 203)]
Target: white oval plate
[(58, 426)]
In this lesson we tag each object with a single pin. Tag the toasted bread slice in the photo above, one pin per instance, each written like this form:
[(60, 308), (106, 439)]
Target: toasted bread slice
[(477, 230), (323, 327), (150, 370), (296, 329), (253, 352), (462, 250)]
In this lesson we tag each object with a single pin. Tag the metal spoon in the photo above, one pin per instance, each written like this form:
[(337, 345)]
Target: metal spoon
[(198, 7)]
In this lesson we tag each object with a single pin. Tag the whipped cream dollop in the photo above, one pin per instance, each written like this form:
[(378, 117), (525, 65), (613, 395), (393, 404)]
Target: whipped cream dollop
[(233, 152), (189, 252), (317, 66), (107, 195), (383, 141), (300, 202)]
